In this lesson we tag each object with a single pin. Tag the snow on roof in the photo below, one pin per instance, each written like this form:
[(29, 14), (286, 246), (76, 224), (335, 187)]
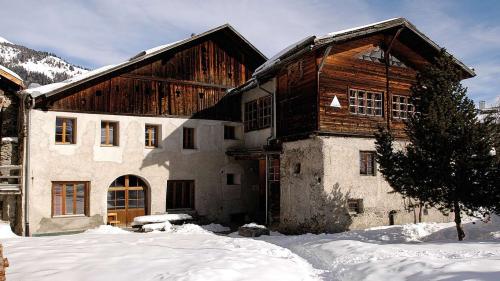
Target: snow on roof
[(348, 30), (282, 54), (5, 69), (311, 40)]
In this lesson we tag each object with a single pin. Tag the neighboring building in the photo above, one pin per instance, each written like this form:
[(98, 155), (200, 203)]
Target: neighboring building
[(145, 136), (331, 95), (207, 126), (10, 176)]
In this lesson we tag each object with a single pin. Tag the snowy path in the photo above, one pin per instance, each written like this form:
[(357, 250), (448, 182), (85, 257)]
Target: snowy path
[(398, 253), (152, 256)]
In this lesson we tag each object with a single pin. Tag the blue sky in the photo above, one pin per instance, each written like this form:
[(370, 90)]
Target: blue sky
[(95, 33)]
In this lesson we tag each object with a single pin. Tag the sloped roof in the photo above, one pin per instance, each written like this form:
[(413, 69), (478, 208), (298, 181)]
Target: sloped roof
[(52, 89), (353, 33), (11, 76)]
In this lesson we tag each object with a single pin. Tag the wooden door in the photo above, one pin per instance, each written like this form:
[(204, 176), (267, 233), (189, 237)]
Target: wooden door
[(127, 198)]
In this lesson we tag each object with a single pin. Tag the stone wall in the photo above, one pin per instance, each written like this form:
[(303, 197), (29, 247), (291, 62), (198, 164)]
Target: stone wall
[(10, 204), (315, 199)]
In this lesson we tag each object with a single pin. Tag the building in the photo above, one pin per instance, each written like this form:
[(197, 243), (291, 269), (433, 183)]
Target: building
[(210, 127), (331, 93), (10, 160)]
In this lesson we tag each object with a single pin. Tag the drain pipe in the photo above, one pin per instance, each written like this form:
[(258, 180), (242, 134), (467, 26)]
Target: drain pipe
[(267, 188), (27, 105)]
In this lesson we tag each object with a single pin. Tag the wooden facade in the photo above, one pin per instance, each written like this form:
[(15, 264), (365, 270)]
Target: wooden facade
[(304, 96), (189, 80)]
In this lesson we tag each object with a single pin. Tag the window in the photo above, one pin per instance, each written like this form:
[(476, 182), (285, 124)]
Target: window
[(65, 130), (365, 102), (229, 132), (274, 169), (258, 114), (401, 107), (355, 206), (151, 136), (296, 168), (70, 198), (233, 179), (188, 138), (180, 194), (367, 163), (109, 133)]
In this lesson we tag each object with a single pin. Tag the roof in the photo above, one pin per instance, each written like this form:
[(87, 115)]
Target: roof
[(52, 89), (11, 75), (353, 33)]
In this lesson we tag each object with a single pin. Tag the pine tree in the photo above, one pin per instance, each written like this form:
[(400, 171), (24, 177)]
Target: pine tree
[(447, 162)]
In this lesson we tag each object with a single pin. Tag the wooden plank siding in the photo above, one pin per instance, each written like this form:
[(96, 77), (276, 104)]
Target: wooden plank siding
[(344, 70), (296, 98), (303, 99), (190, 82)]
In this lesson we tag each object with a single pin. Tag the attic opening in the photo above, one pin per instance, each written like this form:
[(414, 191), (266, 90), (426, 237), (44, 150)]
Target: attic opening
[(377, 55)]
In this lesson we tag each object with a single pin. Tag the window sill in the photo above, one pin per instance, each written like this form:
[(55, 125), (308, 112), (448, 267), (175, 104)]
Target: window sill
[(151, 147), (64, 143), (186, 148), (109, 145), (69, 216)]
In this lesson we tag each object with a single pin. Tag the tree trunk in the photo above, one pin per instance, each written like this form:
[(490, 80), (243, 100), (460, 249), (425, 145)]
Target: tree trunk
[(458, 221)]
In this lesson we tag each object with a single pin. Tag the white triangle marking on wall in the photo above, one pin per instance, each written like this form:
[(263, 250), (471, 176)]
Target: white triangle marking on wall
[(335, 102)]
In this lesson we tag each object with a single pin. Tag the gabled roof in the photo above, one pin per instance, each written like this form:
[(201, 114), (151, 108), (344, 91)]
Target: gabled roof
[(10, 75), (55, 88), (411, 34)]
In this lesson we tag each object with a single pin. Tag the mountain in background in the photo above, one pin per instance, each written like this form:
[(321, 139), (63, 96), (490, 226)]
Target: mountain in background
[(36, 66)]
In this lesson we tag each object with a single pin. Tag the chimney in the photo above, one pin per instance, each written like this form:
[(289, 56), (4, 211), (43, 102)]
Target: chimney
[(482, 105)]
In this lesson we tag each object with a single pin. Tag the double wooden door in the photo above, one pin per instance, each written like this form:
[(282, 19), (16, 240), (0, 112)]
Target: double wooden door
[(127, 198)]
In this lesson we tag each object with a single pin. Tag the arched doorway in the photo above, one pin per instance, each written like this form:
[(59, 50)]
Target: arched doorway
[(127, 198)]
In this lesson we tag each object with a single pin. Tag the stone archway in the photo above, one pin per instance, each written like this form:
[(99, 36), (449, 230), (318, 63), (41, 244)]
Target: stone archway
[(127, 197)]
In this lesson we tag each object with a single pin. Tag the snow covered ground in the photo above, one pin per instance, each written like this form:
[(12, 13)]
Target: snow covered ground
[(189, 253), (420, 252), (426, 251)]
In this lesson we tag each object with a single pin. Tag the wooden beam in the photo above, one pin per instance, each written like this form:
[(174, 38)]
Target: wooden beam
[(170, 80)]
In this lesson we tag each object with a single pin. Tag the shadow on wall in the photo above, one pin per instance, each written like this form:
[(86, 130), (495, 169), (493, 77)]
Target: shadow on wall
[(329, 212)]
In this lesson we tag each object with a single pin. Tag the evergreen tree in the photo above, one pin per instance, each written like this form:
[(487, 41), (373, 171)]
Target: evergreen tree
[(447, 162)]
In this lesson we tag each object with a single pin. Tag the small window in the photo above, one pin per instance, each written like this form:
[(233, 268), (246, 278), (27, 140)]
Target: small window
[(151, 136), (70, 198), (233, 179), (188, 138), (109, 133), (65, 130), (230, 179), (296, 168), (229, 132), (367, 163), (180, 194), (98, 93), (355, 206), (402, 107)]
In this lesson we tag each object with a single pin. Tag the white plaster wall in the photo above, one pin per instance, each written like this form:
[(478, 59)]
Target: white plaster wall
[(86, 160), (257, 138), (316, 198)]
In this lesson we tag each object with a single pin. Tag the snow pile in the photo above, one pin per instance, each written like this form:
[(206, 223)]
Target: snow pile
[(160, 226), (152, 256), (474, 231), (190, 228), (253, 225), (106, 229), (160, 218), (6, 231), (213, 227)]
